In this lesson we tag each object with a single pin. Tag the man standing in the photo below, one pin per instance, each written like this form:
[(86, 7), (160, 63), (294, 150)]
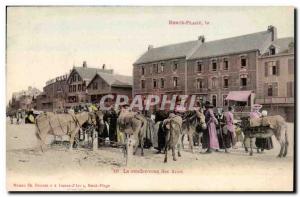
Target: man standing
[(230, 135)]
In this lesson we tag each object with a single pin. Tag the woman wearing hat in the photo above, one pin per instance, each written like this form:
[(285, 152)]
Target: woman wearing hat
[(211, 121), (260, 143)]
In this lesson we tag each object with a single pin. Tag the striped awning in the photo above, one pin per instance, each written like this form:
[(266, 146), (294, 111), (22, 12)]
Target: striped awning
[(238, 95)]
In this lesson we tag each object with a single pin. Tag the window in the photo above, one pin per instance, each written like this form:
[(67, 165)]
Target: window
[(199, 84), (155, 68), (175, 66), (243, 62), (162, 67), (162, 83), (214, 82), (79, 87), (175, 81), (225, 64), (244, 82), (70, 88), (291, 66), (154, 83), (225, 102), (83, 87), (199, 67), (274, 70), (225, 82), (272, 51), (214, 100), (214, 65), (143, 84), (143, 70), (270, 90), (95, 85), (74, 88)]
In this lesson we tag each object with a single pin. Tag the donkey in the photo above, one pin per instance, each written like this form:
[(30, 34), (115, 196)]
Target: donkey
[(271, 125)]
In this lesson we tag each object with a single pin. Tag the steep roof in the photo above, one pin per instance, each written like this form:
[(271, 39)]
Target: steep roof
[(249, 42), (168, 52), (115, 80), (283, 44), (87, 73)]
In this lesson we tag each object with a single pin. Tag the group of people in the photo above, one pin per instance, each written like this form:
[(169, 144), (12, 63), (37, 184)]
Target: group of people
[(221, 130)]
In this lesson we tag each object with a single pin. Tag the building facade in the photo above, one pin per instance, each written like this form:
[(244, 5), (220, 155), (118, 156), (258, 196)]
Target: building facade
[(77, 82), (25, 99), (275, 79), (107, 83), (211, 70), (54, 95)]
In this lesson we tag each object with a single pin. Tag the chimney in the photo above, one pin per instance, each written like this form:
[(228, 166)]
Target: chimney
[(84, 64), (103, 66), (150, 47), (273, 30), (201, 38)]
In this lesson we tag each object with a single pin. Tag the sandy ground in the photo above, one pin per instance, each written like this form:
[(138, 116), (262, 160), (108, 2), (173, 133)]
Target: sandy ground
[(104, 170)]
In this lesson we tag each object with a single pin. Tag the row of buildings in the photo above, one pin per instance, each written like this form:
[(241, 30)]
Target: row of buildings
[(24, 99), (240, 71), (81, 85), (247, 69)]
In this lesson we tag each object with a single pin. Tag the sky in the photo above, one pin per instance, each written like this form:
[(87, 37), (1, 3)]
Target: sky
[(45, 42)]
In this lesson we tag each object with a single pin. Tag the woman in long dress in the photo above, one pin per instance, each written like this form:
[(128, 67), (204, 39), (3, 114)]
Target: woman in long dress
[(213, 143)]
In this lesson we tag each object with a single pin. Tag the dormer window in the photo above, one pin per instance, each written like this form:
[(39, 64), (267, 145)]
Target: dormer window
[(272, 51)]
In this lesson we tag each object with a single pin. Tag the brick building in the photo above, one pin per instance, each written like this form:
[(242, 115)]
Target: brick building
[(212, 70), (54, 95), (161, 71), (275, 78), (108, 83)]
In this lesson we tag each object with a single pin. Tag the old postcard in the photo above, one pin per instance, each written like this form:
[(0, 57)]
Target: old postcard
[(150, 98)]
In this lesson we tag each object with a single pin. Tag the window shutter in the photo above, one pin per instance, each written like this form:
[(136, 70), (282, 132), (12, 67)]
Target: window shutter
[(229, 81), (266, 89), (291, 66), (278, 67), (196, 67), (288, 89), (266, 69), (275, 89), (209, 83)]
